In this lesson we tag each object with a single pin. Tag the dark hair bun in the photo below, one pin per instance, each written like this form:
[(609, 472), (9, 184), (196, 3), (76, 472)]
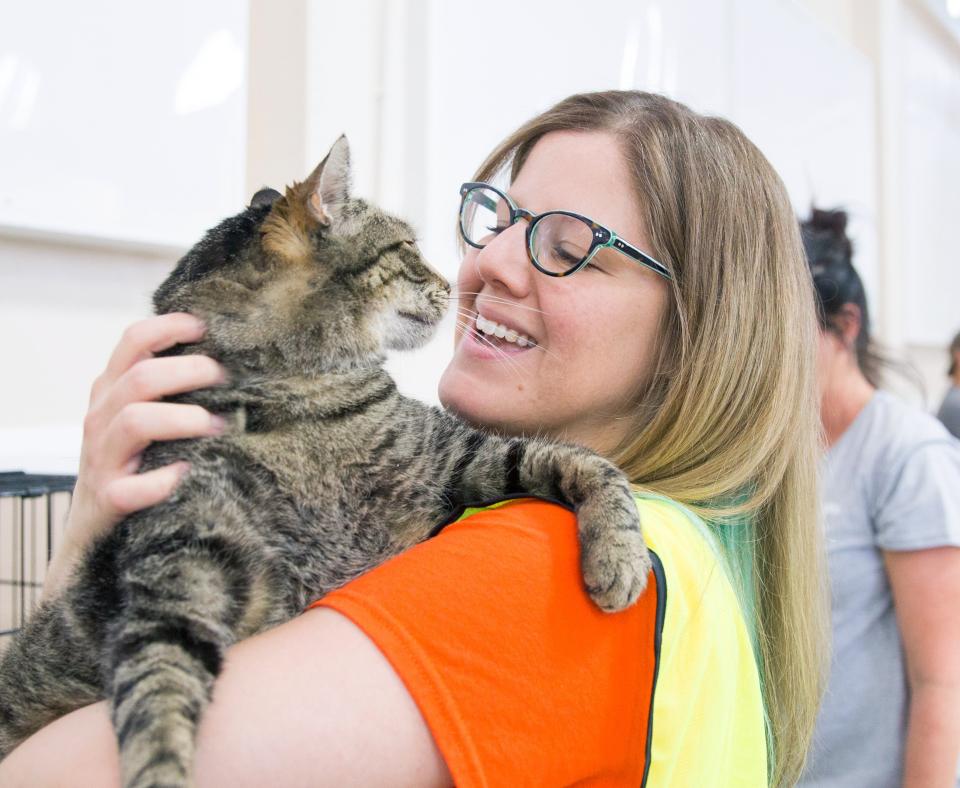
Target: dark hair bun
[(827, 221), (829, 254), (825, 239)]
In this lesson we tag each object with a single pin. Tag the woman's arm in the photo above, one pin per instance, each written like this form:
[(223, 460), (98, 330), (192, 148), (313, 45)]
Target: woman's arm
[(122, 419), (926, 592), (312, 702)]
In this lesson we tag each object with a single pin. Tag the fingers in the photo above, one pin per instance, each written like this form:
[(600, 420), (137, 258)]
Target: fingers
[(146, 337), (154, 378), (139, 424), (127, 494), (124, 418)]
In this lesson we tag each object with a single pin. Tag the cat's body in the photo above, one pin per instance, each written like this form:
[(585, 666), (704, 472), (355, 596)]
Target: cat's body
[(325, 472)]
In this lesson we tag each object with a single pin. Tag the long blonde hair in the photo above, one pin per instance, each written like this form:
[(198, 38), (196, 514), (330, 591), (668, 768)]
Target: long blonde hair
[(727, 424)]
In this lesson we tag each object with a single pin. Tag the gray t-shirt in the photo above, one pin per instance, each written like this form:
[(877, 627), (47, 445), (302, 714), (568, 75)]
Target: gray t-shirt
[(949, 412), (892, 482)]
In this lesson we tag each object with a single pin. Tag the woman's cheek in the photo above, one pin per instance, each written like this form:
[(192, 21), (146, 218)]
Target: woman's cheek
[(468, 279)]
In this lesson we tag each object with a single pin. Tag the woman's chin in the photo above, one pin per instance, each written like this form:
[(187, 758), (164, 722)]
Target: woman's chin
[(475, 400), (455, 393)]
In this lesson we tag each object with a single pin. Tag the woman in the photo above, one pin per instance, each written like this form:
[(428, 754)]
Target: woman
[(476, 657), (892, 508)]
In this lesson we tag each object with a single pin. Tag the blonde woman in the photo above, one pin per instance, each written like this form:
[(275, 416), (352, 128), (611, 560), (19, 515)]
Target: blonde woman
[(653, 256)]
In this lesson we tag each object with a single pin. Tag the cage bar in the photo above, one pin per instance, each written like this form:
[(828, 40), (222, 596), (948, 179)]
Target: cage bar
[(33, 512)]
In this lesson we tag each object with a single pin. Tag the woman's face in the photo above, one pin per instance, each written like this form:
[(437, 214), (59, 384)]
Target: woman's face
[(596, 331)]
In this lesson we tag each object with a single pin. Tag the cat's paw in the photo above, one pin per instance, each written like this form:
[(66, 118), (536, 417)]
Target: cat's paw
[(614, 561)]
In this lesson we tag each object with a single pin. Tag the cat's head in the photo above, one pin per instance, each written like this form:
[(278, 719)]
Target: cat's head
[(313, 279)]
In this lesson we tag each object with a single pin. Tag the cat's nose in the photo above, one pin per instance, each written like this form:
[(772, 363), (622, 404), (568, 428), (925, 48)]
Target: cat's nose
[(437, 284), (438, 291)]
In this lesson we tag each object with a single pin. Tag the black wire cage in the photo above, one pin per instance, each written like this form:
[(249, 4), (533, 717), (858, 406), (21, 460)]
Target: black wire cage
[(33, 511)]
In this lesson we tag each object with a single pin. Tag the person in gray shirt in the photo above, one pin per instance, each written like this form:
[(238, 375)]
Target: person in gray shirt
[(949, 412), (891, 503)]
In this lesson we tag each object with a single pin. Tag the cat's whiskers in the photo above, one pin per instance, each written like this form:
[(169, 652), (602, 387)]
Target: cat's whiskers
[(472, 316), (496, 299), (465, 328)]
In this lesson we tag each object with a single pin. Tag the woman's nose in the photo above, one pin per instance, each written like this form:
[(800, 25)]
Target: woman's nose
[(503, 262)]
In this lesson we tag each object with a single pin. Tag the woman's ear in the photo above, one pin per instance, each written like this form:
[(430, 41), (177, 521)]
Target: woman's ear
[(849, 321)]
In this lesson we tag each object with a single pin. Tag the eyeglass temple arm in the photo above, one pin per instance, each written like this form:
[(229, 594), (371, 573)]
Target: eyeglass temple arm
[(642, 257)]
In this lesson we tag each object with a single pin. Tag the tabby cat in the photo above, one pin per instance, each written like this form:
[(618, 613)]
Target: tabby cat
[(325, 472)]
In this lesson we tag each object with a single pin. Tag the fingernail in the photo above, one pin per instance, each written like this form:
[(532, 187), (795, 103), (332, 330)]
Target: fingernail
[(201, 326), (183, 468), (218, 424)]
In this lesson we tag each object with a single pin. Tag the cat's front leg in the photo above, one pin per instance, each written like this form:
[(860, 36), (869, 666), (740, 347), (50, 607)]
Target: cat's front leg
[(613, 554), (614, 558), (163, 658)]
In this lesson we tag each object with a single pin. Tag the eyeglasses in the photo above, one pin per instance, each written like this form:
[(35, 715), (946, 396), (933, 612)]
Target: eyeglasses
[(559, 243)]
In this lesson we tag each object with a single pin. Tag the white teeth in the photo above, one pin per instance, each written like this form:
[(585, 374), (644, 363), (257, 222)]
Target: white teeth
[(492, 328)]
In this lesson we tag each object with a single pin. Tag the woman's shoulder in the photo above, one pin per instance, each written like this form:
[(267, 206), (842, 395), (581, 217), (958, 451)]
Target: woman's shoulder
[(898, 428), (688, 563), (707, 676), (521, 679), (494, 635), (890, 447), (909, 459)]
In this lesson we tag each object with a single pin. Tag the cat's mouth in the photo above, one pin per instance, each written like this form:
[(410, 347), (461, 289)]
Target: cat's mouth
[(421, 319)]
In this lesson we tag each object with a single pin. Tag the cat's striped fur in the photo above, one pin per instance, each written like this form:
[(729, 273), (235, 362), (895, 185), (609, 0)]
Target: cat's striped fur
[(326, 472)]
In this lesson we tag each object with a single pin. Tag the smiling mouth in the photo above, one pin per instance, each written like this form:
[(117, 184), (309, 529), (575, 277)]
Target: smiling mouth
[(492, 330)]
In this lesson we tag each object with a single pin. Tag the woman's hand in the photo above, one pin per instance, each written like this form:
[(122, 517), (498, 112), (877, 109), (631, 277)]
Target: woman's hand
[(123, 418)]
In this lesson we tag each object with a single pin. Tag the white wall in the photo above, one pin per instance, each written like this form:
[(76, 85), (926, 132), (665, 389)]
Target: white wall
[(122, 137), (122, 120), (930, 203), (62, 308)]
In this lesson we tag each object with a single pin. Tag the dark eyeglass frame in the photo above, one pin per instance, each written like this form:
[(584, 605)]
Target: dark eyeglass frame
[(603, 237)]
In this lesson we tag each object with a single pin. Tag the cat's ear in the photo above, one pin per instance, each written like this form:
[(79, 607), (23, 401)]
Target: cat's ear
[(266, 196), (329, 184)]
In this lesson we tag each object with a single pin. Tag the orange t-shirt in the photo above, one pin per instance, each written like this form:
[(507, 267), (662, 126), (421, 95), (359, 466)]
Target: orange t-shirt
[(520, 678)]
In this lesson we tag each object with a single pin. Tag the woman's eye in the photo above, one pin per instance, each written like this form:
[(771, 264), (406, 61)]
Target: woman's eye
[(567, 257), (499, 228)]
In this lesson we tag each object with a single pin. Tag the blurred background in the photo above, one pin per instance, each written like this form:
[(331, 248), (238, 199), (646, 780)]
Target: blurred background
[(129, 128)]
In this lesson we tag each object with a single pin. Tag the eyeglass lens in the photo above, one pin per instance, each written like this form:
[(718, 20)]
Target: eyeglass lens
[(559, 242)]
